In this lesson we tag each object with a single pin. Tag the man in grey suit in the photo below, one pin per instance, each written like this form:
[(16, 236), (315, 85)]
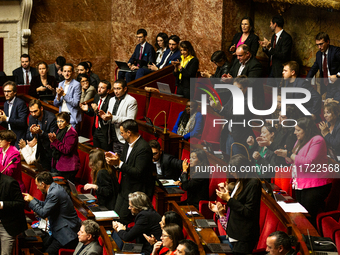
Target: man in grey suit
[(68, 96), (58, 208), (121, 107), (88, 239)]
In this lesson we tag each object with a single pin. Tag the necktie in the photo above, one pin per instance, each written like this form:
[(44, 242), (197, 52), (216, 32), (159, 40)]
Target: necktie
[(27, 78), (141, 52), (274, 44), (97, 123), (325, 70), (115, 107)]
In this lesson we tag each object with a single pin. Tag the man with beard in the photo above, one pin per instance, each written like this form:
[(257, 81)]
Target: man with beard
[(25, 73)]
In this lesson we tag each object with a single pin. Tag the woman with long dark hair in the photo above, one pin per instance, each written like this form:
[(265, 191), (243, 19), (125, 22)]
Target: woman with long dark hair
[(197, 186), (161, 45), (243, 228), (330, 130), (185, 69), (189, 122), (245, 36), (310, 175), (104, 179)]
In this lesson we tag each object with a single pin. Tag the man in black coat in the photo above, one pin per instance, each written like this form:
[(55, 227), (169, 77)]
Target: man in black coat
[(25, 73), (12, 216), (14, 115), (136, 167), (100, 102), (41, 123), (279, 48), (167, 166), (328, 63)]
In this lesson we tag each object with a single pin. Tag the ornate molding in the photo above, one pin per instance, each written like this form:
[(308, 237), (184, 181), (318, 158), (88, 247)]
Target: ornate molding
[(26, 9), (328, 4)]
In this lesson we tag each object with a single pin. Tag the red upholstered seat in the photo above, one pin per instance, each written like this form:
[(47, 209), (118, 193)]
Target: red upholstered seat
[(63, 251), (337, 240), (87, 124), (141, 101), (329, 227), (210, 133), (155, 106), (175, 109), (321, 216)]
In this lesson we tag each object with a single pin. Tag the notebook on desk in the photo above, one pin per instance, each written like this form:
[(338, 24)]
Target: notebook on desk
[(206, 223), (165, 89), (82, 197)]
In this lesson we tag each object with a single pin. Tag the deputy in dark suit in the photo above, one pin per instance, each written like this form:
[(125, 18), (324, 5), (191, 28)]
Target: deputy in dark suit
[(235, 132), (328, 68), (100, 102), (88, 239), (144, 53), (12, 214), (172, 53), (280, 47), (58, 208), (249, 66), (14, 115), (136, 167), (25, 71), (56, 68), (40, 124), (167, 166), (290, 73)]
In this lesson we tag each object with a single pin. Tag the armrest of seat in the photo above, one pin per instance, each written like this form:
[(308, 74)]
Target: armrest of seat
[(334, 214), (66, 251)]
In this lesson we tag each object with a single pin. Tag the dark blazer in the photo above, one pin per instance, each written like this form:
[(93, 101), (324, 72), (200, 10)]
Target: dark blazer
[(253, 69), (171, 167), (36, 83), (19, 74), (103, 107), (148, 55), (92, 248), (314, 104), (197, 188), (252, 42), (175, 56), (220, 70), (58, 208), (12, 215), (146, 222), (136, 175), (333, 139), (239, 132), (18, 119), (281, 54), (107, 189), (333, 61), (188, 72), (243, 224), (53, 71), (49, 125)]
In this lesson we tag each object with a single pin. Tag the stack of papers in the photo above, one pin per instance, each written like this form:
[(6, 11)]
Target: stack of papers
[(106, 214), (167, 182), (292, 207)]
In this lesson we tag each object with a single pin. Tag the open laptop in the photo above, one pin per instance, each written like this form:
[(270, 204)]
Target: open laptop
[(202, 223), (82, 197), (219, 247), (318, 252), (165, 89), (132, 247), (123, 66), (170, 189)]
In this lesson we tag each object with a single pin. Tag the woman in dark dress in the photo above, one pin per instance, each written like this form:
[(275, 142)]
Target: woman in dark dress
[(246, 36), (43, 84), (104, 179), (185, 68)]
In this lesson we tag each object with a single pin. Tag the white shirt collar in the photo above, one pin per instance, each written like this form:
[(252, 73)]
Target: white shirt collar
[(278, 34), (142, 45), (12, 101), (133, 143)]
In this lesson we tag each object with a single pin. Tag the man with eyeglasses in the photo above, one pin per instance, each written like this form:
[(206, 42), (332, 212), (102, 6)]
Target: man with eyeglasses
[(41, 123), (144, 53), (14, 115), (328, 63)]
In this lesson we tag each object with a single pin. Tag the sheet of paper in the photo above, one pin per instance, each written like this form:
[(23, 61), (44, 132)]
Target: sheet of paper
[(82, 139), (106, 214), (167, 182), (292, 207)]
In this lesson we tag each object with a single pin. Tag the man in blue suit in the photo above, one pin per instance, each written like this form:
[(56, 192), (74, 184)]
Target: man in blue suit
[(144, 53), (14, 115), (68, 96), (328, 63), (172, 53), (58, 208)]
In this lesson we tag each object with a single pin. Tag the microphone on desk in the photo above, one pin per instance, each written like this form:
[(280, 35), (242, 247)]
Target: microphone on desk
[(10, 163), (154, 127)]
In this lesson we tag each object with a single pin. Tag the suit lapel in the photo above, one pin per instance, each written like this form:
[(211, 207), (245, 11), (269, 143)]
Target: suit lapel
[(329, 56), (133, 149)]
